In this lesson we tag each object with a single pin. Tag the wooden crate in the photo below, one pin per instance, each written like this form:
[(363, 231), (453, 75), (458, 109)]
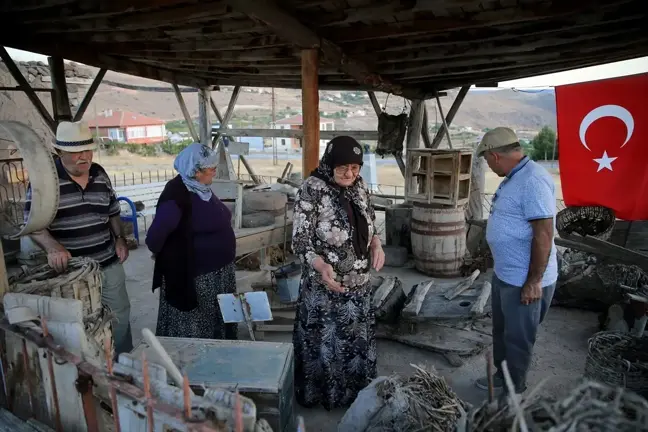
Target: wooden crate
[(438, 176), (262, 371)]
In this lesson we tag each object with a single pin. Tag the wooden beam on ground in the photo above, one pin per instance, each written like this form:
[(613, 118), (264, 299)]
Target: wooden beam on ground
[(374, 102), (451, 115), (425, 134), (291, 29), (204, 119), (299, 133), (83, 106), (24, 85), (185, 113), (62, 109), (310, 111)]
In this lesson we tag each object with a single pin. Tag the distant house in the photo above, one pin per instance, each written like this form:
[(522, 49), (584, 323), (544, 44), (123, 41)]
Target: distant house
[(296, 122), (128, 127)]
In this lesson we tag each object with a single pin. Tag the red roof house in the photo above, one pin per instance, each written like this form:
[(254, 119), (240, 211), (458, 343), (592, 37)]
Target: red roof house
[(125, 126)]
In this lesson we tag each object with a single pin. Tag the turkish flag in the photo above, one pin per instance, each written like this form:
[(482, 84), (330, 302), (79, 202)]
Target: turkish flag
[(603, 144)]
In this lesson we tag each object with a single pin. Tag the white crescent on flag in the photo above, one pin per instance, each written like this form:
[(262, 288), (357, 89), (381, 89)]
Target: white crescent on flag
[(607, 111)]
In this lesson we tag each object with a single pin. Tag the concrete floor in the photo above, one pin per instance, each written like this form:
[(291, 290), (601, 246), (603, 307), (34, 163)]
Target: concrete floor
[(560, 350)]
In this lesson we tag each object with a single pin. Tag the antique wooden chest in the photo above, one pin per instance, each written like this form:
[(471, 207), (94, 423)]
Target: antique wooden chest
[(262, 371)]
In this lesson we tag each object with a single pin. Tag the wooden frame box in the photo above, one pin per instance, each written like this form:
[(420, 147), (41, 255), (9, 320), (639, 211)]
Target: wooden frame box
[(438, 176)]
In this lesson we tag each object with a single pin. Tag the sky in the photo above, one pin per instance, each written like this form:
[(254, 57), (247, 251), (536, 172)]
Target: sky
[(610, 70)]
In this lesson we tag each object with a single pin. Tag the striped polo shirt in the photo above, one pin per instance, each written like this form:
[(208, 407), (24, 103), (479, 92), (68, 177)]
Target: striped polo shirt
[(81, 224)]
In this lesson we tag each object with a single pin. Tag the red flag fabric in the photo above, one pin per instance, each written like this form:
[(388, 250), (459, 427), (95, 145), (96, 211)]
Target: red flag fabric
[(603, 144)]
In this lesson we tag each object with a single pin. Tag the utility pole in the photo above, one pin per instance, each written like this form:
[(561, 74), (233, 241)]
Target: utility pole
[(275, 156)]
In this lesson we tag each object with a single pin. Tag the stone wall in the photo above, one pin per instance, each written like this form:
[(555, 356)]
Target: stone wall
[(16, 106)]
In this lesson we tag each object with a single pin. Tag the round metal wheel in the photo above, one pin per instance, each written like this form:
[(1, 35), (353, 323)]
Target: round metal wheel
[(43, 178)]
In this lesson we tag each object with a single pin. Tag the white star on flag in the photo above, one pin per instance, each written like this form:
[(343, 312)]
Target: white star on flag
[(604, 162)]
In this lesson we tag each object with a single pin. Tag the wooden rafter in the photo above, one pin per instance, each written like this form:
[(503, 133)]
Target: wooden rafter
[(451, 115), (61, 100), (185, 114), (83, 106), (291, 29), (24, 86)]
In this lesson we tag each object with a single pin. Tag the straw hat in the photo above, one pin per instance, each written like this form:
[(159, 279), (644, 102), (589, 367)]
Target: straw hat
[(497, 138), (74, 137)]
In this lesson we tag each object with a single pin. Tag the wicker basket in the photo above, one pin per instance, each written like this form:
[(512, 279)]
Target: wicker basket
[(618, 359), (592, 221), (81, 281)]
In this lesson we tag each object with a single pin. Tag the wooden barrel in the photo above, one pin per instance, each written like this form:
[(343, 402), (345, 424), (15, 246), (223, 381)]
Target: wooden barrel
[(438, 239)]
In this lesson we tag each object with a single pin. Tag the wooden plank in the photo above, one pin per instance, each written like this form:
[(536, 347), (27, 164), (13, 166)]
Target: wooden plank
[(250, 240), (17, 88), (215, 109), (462, 286), (425, 134), (310, 110), (24, 85), (83, 106), (413, 307), (185, 114), (480, 303), (413, 141), (451, 115), (444, 126), (238, 207), (289, 28), (77, 81), (374, 102)]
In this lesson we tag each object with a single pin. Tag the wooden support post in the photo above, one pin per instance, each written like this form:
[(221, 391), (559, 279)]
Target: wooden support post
[(204, 119), (249, 169), (185, 113), (229, 113), (413, 140), (24, 86), (424, 128), (215, 109), (451, 115), (83, 106), (374, 102), (443, 119), (63, 112), (310, 110)]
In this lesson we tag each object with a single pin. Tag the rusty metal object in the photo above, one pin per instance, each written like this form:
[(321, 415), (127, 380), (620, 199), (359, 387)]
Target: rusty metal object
[(100, 377), (84, 386), (147, 393), (50, 367), (28, 376), (113, 393)]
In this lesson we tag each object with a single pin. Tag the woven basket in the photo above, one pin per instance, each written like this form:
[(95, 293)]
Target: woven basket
[(618, 359), (81, 281), (594, 221)]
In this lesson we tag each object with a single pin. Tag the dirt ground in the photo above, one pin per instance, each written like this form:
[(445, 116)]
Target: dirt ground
[(388, 173), (560, 350)]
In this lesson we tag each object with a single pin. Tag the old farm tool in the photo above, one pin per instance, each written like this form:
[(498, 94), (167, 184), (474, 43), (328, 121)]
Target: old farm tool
[(245, 307)]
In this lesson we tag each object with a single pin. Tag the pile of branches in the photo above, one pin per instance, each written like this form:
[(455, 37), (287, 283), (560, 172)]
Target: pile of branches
[(429, 403), (592, 406)]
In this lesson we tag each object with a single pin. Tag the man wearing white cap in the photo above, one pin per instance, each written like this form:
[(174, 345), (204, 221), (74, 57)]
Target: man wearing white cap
[(87, 223), (520, 234)]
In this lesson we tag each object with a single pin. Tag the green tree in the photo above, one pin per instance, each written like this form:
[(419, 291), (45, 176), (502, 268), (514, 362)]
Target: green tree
[(542, 145)]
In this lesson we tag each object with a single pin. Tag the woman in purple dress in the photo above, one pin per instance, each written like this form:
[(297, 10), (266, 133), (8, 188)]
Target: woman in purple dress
[(194, 246)]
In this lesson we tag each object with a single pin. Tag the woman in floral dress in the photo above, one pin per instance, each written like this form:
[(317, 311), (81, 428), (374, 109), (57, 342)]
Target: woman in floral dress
[(334, 236)]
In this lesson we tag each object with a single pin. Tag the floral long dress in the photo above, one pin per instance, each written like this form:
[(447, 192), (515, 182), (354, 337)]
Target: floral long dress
[(334, 334)]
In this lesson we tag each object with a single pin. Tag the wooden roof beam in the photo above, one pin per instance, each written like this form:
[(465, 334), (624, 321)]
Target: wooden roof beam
[(289, 28)]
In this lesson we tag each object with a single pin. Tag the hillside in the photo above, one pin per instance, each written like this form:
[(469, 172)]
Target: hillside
[(481, 109)]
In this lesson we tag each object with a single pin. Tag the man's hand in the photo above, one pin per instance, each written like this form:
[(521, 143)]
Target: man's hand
[(121, 249), (377, 256), (58, 257), (328, 275), (531, 292)]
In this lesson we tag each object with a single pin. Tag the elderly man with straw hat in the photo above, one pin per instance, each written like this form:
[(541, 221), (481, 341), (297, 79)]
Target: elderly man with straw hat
[(87, 223), (520, 234)]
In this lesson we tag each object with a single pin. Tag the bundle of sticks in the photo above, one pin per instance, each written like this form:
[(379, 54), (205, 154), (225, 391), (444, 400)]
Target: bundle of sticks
[(592, 406)]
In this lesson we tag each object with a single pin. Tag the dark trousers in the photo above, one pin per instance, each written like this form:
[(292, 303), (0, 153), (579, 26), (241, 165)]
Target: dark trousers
[(515, 327)]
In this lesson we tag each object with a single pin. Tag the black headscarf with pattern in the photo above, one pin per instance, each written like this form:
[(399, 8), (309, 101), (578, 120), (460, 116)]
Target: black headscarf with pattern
[(344, 150)]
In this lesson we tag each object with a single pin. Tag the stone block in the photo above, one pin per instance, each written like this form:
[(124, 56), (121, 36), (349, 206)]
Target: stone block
[(395, 256)]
